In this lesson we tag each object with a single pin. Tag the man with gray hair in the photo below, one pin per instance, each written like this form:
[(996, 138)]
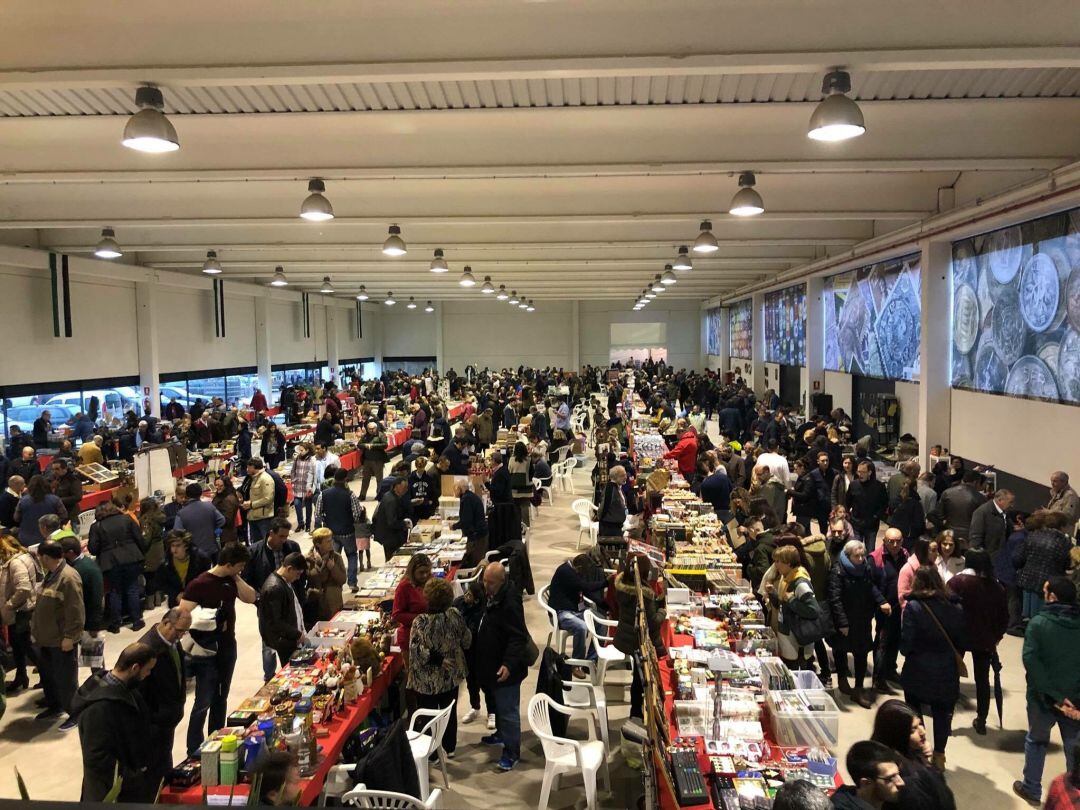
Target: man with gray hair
[(472, 522), (990, 526), (612, 510), (164, 689), (1063, 498)]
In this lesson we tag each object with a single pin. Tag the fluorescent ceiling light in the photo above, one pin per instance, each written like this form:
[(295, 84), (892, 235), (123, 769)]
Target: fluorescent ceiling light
[(657, 285), (411, 304), (513, 298), (668, 277), (149, 130), (429, 307), (502, 295), (390, 299), (530, 307), (487, 288)]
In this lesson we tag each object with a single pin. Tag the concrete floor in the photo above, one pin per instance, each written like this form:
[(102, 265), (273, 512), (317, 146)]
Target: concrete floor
[(980, 769)]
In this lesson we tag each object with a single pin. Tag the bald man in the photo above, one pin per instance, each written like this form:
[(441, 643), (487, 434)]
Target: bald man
[(502, 660)]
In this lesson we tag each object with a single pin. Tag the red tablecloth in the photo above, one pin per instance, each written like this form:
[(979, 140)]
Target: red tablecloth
[(350, 460), (190, 469), (92, 499), (667, 676), (330, 747)]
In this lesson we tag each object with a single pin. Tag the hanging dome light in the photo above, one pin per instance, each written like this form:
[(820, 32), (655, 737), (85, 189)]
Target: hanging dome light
[(390, 299), (487, 288), (149, 130), (326, 287), (429, 307), (211, 266), (706, 242), (668, 277), (657, 285), (411, 304), (316, 208), (513, 298), (524, 304), (836, 117), (394, 244), (108, 247), (649, 295), (530, 307), (682, 260), (746, 202), (467, 279), (438, 264), (502, 294), (279, 279), (362, 295)]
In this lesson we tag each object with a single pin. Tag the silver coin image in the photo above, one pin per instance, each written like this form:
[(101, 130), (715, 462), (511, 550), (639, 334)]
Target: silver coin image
[(1040, 292), (1005, 249), (961, 370), (989, 372), (852, 329), (1057, 253), (1068, 366), (1007, 327), (898, 330), (965, 318), (1072, 296), (1031, 377), (965, 266), (1048, 353)]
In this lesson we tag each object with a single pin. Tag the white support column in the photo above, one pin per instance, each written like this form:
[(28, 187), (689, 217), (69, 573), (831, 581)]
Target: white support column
[(575, 336), (703, 339), (439, 348), (146, 302), (725, 340), (813, 373), (262, 347), (380, 341), (757, 363), (935, 395), (332, 350)]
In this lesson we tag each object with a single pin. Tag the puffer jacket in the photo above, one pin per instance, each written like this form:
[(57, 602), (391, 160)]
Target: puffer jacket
[(115, 539), (20, 578), (853, 599), (261, 496)]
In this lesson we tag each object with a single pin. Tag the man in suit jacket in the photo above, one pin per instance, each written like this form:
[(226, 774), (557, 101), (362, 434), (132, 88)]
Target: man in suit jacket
[(957, 504), (164, 690), (281, 617), (990, 523)]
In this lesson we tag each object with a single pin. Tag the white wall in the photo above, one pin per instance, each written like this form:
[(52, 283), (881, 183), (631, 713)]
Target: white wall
[(287, 341), (349, 345), (908, 395), (491, 333), (186, 339), (408, 332), (838, 383), (683, 319), (772, 377), (713, 363), (104, 340)]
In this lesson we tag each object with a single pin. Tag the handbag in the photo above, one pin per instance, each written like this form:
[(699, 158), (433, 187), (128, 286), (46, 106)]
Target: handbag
[(961, 666), (807, 629)]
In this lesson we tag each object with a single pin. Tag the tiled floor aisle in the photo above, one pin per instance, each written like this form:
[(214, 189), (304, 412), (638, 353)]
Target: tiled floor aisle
[(981, 769)]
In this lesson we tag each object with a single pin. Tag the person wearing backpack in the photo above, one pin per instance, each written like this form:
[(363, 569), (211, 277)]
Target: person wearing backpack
[(794, 596)]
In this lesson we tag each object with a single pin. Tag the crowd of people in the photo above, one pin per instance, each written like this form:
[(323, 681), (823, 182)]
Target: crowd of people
[(928, 566)]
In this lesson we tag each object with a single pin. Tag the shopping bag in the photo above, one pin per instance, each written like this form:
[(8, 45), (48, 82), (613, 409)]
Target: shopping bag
[(92, 652)]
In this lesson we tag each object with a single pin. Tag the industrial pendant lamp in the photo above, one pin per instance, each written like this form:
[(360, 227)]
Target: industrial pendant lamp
[(438, 264), (429, 307), (390, 299), (362, 295), (279, 277), (657, 285), (149, 130), (668, 277), (211, 266), (502, 294), (487, 288), (746, 202), (394, 244), (836, 117), (682, 260), (467, 279), (706, 242), (649, 295), (108, 247), (513, 298), (530, 307), (411, 304), (523, 304), (326, 287), (316, 208)]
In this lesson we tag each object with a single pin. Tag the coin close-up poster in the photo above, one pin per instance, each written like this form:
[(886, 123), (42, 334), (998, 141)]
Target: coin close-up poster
[(784, 313), (873, 319), (1016, 310), (741, 328), (713, 322)]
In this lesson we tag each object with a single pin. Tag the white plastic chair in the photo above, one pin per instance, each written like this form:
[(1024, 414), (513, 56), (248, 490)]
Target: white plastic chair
[(545, 489), (586, 525), (588, 695), (360, 796), (607, 655), (560, 636), (428, 741), (83, 523), (563, 452), (563, 755), (563, 474)]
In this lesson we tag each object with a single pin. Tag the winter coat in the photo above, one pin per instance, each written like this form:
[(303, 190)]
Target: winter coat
[(20, 581), (930, 672), (438, 638), (263, 562), (202, 520), (1004, 569), (955, 508), (839, 490), (115, 539), (866, 503), (888, 570), (261, 495), (501, 640), (986, 610), (924, 788), (93, 587), (760, 557), (625, 639), (167, 580), (909, 518), (29, 511), (60, 613), (989, 528), (388, 524), (228, 506), (804, 497), (409, 604), (112, 732), (1052, 655), (1044, 554), (853, 600), (818, 562), (325, 578), (685, 453), (278, 624), (389, 765), (69, 490), (164, 692)]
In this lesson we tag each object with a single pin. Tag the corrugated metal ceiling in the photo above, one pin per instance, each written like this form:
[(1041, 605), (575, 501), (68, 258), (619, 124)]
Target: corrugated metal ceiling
[(573, 92)]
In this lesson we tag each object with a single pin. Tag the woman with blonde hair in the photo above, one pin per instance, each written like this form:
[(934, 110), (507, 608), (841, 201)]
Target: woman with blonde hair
[(793, 596), (19, 575)]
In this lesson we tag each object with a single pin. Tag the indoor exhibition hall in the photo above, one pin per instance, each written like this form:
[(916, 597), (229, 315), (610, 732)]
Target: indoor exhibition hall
[(540, 404)]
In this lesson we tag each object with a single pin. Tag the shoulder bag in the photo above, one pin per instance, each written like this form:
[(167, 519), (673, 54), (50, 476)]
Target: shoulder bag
[(961, 666)]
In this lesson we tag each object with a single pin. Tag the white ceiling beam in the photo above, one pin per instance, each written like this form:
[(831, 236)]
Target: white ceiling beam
[(466, 220), (528, 172), (400, 266), (912, 59)]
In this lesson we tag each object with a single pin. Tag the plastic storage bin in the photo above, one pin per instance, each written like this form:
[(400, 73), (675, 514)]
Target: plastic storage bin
[(804, 717), (805, 679)]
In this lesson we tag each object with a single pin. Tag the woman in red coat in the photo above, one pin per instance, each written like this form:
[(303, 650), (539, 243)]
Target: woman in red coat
[(685, 452)]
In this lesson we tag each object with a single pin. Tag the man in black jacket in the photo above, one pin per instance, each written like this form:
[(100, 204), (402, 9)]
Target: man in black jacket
[(957, 505), (472, 522), (164, 690), (26, 467), (266, 557), (339, 510), (281, 617), (502, 661), (458, 456), (423, 489), (569, 584), (990, 523), (66, 486), (113, 722), (867, 500), (390, 526)]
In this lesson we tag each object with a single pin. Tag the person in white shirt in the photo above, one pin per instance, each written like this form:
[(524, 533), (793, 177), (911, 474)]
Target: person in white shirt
[(324, 458), (777, 464)]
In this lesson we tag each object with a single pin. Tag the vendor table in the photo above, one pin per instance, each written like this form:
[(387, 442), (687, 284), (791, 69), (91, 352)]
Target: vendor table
[(92, 499)]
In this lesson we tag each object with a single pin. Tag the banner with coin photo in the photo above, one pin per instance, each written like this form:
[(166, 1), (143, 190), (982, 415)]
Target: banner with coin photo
[(741, 328), (784, 312), (1016, 310), (713, 322), (873, 319)]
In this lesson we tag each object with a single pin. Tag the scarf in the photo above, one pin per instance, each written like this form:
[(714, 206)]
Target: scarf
[(789, 580), (850, 567)]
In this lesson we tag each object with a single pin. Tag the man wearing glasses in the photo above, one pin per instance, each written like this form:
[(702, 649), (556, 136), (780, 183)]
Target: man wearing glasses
[(876, 774)]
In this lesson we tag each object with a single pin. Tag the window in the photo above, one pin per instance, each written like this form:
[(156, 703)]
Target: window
[(233, 385), (410, 365), (240, 388), (22, 405)]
